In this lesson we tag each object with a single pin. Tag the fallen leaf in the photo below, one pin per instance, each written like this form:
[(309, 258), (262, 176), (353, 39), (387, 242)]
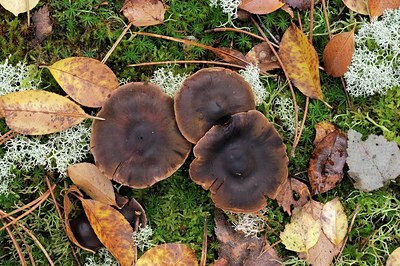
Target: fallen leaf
[(89, 178), (42, 22), (285, 196), (322, 129), (18, 6), (358, 6), (338, 54), (300, 4), (327, 162), (86, 80), (334, 221), (302, 232), (322, 254), (144, 12), (394, 258), (171, 254), (288, 10), (262, 56), (38, 112), (301, 62), (377, 7), (260, 7), (230, 55), (220, 262), (112, 229), (372, 163)]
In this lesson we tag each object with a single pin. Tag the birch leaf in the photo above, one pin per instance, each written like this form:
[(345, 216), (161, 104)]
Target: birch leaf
[(144, 12), (172, 254), (358, 6), (18, 6), (394, 258), (334, 221)]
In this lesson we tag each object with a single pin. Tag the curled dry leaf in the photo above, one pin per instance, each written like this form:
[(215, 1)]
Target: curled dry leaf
[(300, 4), (171, 254), (322, 129), (338, 53), (394, 258), (144, 12), (327, 162), (262, 56), (43, 24), (358, 6), (301, 62), (89, 178), (37, 112), (112, 229), (334, 221), (285, 196), (377, 7), (18, 6), (86, 80), (260, 7)]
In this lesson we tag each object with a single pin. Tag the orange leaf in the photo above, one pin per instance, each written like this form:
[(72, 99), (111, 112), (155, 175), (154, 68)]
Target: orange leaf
[(144, 12), (377, 7), (301, 62), (338, 54), (171, 254), (260, 7), (358, 6), (112, 229)]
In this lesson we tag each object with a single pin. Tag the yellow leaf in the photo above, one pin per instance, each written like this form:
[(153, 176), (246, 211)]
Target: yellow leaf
[(112, 229), (334, 221), (86, 80), (89, 178), (36, 112), (302, 233), (301, 62), (171, 254), (394, 258), (18, 6)]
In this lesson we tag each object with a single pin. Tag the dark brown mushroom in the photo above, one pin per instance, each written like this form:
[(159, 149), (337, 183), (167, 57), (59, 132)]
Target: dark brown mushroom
[(138, 143), (208, 97), (241, 161)]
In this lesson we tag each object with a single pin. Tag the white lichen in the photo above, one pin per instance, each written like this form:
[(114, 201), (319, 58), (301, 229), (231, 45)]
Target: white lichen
[(228, 7), (375, 67), (102, 258), (142, 238), (251, 75), (285, 110), (168, 81), (250, 224)]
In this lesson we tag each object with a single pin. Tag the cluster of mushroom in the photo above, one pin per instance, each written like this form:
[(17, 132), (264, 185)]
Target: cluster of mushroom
[(146, 136)]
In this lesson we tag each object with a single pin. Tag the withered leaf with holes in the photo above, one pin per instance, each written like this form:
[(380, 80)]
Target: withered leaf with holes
[(262, 56), (43, 24), (285, 196), (144, 12)]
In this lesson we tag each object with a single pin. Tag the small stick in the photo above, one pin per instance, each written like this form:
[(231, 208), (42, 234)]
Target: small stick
[(25, 206), (28, 249), (17, 247), (297, 139), (349, 229), (374, 249), (299, 20), (203, 259), (186, 62), (266, 29), (240, 31), (7, 136), (116, 43), (55, 201), (28, 12), (311, 21)]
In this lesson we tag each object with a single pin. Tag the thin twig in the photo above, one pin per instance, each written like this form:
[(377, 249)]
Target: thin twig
[(203, 259), (299, 20), (25, 206), (28, 13), (55, 201), (260, 22), (17, 247), (346, 93), (116, 43), (311, 22), (374, 249), (349, 229), (297, 139), (186, 62), (7, 136), (28, 248)]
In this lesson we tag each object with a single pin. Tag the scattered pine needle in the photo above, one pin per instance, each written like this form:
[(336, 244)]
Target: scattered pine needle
[(203, 259), (186, 62), (17, 247)]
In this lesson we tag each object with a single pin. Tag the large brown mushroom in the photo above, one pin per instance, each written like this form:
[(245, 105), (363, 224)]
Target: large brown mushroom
[(241, 162), (138, 143), (208, 97)]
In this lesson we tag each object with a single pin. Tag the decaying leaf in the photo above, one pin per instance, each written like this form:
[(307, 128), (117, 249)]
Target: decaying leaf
[(285, 196), (89, 178), (302, 233), (86, 80), (171, 254), (144, 12), (377, 7), (43, 24), (372, 163), (338, 53), (37, 112), (230, 55), (262, 56), (334, 221), (322, 129), (301, 62), (236, 249), (358, 6), (113, 230), (327, 162), (18, 6), (260, 7), (394, 258), (300, 4)]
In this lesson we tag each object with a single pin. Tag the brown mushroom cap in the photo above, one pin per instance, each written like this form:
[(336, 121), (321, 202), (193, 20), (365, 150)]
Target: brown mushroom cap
[(138, 143), (240, 162), (209, 96)]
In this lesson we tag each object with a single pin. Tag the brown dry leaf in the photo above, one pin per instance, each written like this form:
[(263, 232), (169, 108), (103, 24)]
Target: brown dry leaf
[(144, 12), (322, 254), (262, 56), (334, 221), (322, 129), (37, 112), (260, 7), (285, 196), (18, 6), (288, 10), (394, 258), (358, 6), (230, 55), (338, 54), (89, 178), (171, 254), (327, 162), (377, 7), (86, 80), (300, 4), (220, 262), (2, 113), (43, 24), (67, 210), (301, 62), (112, 229)]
